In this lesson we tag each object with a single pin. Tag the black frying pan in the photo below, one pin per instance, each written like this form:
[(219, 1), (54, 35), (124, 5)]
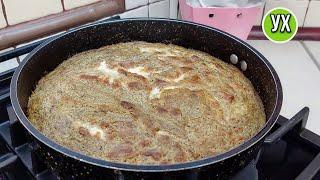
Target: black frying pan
[(68, 163)]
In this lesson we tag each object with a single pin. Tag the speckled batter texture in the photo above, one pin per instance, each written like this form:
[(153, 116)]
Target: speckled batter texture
[(146, 103)]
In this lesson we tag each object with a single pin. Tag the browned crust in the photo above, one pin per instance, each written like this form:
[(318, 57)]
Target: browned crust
[(144, 103)]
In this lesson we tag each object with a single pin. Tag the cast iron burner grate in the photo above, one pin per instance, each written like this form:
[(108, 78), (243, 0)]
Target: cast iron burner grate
[(295, 155)]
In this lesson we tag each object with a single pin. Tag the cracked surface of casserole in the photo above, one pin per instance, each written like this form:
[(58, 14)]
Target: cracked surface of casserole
[(146, 103)]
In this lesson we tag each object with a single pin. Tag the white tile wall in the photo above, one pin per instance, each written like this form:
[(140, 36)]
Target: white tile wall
[(299, 76), (299, 7), (173, 9), (160, 9), (70, 4), (24, 10), (313, 15), (138, 12), (3, 22), (130, 4)]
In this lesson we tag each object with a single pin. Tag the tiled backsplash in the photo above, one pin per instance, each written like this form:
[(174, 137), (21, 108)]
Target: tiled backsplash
[(3, 22), (18, 11), (156, 8), (32, 19), (160, 9), (142, 11), (313, 14), (307, 11), (130, 4), (298, 7)]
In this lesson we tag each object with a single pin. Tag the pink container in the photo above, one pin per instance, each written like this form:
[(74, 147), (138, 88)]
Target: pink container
[(236, 21)]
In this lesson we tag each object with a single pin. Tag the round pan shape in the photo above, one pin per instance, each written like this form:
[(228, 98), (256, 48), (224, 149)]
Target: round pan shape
[(68, 163)]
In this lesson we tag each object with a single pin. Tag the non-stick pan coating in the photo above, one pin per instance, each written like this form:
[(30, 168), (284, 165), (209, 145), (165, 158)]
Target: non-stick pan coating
[(217, 43)]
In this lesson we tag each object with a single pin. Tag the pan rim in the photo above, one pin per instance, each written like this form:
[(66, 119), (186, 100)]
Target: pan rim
[(146, 168)]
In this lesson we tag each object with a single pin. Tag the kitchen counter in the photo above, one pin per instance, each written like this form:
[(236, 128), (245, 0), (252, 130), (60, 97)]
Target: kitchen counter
[(296, 64)]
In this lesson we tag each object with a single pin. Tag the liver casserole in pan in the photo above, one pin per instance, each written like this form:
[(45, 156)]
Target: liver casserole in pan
[(146, 103)]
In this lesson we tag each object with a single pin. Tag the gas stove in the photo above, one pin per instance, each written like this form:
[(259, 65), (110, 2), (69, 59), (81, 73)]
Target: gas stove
[(295, 155)]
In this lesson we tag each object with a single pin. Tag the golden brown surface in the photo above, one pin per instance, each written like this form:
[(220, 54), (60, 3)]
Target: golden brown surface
[(146, 103)]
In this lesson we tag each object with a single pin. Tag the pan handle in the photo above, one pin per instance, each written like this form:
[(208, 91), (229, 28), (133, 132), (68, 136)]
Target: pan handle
[(297, 123)]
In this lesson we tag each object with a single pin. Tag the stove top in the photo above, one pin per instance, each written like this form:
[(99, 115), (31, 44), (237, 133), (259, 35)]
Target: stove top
[(295, 155)]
